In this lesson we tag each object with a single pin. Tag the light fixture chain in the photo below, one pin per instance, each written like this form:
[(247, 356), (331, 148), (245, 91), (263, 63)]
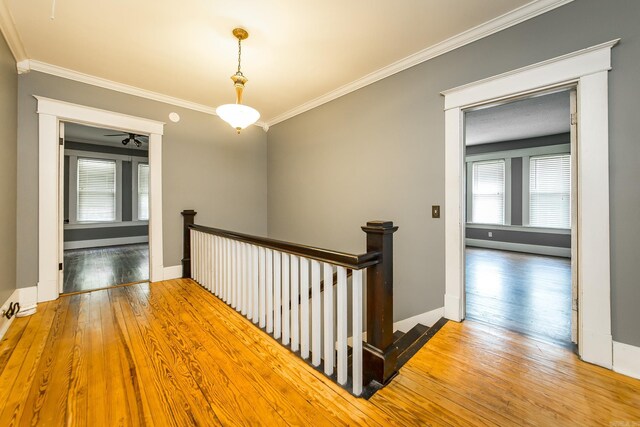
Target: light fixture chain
[(239, 54)]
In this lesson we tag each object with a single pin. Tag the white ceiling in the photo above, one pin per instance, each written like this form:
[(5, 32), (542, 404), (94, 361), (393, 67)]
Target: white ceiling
[(297, 50), (526, 118)]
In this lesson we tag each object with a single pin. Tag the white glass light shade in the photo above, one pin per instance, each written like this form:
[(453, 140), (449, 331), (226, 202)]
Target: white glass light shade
[(239, 116)]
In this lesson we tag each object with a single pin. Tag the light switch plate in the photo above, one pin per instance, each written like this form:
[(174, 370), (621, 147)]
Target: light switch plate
[(435, 211)]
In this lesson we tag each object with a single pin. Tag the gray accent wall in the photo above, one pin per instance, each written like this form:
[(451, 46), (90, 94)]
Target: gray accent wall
[(8, 147), (206, 166), (378, 153)]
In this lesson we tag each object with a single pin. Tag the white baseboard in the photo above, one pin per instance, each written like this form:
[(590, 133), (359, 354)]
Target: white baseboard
[(4, 322), (428, 319), (596, 348), (626, 359), (28, 298), (452, 309), (172, 272), (97, 243), (519, 247)]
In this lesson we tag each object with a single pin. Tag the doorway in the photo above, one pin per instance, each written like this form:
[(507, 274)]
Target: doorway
[(51, 113), (588, 70), (105, 203), (520, 197)]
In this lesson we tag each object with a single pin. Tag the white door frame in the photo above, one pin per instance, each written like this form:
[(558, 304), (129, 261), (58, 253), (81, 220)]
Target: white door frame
[(50, 113), (587, 69)]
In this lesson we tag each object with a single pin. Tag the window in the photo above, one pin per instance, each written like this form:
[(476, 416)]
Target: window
[(143, 191), (96, 190), (550, 191), (488, 192)]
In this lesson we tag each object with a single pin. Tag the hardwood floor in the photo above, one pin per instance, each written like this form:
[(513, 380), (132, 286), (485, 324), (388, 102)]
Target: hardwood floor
[(525, 293), (170, 353), (97, 268)]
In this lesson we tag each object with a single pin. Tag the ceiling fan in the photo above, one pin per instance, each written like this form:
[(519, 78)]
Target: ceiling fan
[(131, 137)]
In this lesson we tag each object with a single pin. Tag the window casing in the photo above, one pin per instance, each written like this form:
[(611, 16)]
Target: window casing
[(550, 191), (96, 190), (488, 192)]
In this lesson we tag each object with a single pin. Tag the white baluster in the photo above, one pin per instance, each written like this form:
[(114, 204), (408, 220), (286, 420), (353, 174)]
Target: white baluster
[(244, 276), (269, 291), (216, 266), (255, 282), (356, 282), (262, 278), (208, 261), (295, 303), (316, 314), (329, 343), (304, 308), (234, 276), (277, 295), (286, 302), (342, 325), (199, 257), (227, 272), (192, 248)]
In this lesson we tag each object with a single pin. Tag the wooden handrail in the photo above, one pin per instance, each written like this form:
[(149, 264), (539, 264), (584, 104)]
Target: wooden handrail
[(356, 262)]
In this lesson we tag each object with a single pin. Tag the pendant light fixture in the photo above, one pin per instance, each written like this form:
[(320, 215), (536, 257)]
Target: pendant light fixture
[(237, 115)]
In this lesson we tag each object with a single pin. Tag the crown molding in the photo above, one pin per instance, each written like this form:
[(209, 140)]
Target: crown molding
[(10, 33), (54, 70), (516, 16)]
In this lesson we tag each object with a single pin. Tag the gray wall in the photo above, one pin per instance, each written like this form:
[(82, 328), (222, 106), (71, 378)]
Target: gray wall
[(379, 153), (8, 140), (205, 166), (511, 236), (71, 235)]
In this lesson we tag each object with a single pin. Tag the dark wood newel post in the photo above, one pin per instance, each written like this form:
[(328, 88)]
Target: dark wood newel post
[(188, 216), (380, 354)]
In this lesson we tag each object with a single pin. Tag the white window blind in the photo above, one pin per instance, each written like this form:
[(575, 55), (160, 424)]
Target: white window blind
[(96, 190), (143, 191), (488, 192), (550, 191)]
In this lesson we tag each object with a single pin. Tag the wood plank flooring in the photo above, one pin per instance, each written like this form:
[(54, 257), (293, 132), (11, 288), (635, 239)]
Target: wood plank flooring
[(172, 354), (97, 268), (525, 293)]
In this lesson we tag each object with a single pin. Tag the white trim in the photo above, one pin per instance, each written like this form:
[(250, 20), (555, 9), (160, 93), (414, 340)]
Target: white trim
[(588, 67), (107, 156), (520, 152), (428, 319), (519, 247), (626, 359), (509, 19), (28, 298), (523, 228), (558, 71), (92, 225), (65, 73), (11, 35), (4, 322), (98, 243), (173, 272), (50, 113)]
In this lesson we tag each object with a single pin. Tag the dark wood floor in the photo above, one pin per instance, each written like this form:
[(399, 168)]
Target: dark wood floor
[(525, 293), (96, 268)]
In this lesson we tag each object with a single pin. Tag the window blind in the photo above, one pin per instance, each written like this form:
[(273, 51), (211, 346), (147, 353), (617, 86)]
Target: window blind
[(96, 190), (143, 191), (488, 192), (550, 191)]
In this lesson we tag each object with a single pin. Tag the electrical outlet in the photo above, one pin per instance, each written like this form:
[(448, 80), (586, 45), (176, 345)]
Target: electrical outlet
[(435, 211), (491, 234)]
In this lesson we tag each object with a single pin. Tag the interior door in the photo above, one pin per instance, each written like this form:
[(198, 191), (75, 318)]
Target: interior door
[(574, 217), (61, 207)]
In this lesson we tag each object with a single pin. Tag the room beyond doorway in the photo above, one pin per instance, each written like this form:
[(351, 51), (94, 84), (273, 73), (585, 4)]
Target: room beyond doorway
[(524, 293), (104, 207)]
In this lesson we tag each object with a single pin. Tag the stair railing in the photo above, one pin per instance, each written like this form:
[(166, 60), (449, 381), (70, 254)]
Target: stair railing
[(282, 287)]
